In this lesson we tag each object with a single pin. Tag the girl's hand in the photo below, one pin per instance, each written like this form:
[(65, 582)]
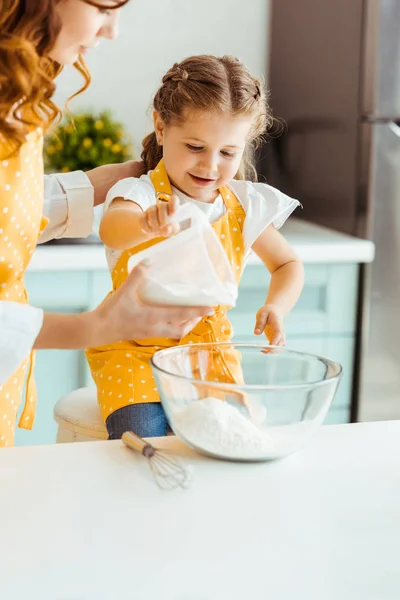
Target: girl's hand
[(156, 220), (269, 320)]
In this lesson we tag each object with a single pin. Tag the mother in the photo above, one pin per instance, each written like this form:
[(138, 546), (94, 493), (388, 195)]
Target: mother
[(36, 40)]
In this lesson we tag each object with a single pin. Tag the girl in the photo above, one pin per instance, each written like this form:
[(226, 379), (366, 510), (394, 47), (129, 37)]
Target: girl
[(36, 39), (207, 115)]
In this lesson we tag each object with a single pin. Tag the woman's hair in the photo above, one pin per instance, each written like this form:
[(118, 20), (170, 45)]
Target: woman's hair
[(211, 84), (28, 31)]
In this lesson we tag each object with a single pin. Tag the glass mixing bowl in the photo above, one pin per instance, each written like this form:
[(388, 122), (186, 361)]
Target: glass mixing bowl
[(244, 402)]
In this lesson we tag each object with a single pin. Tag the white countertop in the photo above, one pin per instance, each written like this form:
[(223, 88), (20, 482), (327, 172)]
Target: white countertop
[(86, 521), (313, 244)]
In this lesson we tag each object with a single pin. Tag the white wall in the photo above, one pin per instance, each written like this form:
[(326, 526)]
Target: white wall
[(153, 35)]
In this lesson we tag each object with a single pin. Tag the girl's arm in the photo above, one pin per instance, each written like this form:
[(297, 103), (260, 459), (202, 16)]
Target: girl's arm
[(287, 279), (125, 225)]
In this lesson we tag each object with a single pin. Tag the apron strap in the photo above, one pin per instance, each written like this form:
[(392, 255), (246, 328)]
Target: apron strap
[(232, 203), (28, 413), (160, 180)]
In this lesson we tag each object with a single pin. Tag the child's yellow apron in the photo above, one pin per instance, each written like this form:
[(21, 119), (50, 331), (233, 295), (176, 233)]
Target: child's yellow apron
[(122, 371), (21, 222)]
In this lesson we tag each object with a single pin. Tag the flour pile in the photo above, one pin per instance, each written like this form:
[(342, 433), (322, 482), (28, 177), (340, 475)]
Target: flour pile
[(220, 429)]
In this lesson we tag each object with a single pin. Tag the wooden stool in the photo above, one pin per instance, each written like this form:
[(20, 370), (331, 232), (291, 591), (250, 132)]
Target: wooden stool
[(78, 417)]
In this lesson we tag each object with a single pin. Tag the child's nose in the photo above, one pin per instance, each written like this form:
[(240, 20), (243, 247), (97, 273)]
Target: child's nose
[(210, 163)]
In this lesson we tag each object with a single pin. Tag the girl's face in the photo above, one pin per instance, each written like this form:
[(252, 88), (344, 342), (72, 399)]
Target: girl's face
[(81, 27), (203, 152)]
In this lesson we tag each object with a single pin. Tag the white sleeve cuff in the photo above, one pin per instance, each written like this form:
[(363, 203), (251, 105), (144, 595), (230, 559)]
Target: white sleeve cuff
[(80, 203), (19, 327), (69, 205)]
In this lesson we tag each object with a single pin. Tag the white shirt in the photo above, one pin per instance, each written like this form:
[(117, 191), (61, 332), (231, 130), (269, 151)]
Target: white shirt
[(263, 205), (68, 204)]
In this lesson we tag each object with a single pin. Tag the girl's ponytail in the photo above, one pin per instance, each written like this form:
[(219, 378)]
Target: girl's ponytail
[(152, 152)]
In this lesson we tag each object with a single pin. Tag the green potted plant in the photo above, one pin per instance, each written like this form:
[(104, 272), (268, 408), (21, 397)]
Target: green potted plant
[(85, 141)]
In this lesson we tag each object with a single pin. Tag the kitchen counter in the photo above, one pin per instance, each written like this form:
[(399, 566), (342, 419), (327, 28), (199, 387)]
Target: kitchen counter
[(314, 245), (86, 521)]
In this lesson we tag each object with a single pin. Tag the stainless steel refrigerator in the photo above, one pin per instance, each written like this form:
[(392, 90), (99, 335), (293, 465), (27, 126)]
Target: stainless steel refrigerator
[(334, 75)]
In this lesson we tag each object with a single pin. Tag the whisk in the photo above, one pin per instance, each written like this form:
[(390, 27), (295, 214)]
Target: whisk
[(167, 469)]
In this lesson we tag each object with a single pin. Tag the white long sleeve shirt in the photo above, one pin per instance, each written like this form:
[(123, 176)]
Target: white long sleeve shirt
[(68, 204)]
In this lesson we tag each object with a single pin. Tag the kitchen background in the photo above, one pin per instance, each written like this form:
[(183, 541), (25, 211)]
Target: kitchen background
[(283, 41), (153, 35)]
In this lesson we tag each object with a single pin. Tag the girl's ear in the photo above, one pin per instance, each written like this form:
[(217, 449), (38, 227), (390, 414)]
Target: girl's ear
[(159, 127)]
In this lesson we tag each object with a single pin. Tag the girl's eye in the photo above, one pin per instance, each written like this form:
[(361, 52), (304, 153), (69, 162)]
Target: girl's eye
[(194, 148), (228, 154)]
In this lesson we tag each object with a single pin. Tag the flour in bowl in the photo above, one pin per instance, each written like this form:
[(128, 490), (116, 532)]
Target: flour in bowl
[(219, 428)]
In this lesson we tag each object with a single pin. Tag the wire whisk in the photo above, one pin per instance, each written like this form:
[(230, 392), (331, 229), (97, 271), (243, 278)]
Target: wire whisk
[(169, 473)]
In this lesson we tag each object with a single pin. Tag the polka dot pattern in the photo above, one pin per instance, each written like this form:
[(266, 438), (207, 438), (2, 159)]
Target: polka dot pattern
[(21, 205), (10, 399), (122, 372), (131, 382)]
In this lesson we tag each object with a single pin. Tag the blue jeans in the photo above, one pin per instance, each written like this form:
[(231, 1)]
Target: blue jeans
[(146, 420)]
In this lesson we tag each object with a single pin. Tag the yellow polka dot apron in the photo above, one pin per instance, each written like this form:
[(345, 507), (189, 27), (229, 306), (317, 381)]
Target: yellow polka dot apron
[(21, 222), (122, 371)]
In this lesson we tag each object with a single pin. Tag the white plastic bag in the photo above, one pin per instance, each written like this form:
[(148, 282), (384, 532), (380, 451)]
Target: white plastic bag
[(190, 268)]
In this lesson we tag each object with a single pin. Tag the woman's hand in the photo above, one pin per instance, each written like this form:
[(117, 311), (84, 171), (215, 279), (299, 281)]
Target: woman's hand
[(122, 316), (103, 178)]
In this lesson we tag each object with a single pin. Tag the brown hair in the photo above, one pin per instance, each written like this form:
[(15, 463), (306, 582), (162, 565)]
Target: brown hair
[(208, 83), (28, 31)]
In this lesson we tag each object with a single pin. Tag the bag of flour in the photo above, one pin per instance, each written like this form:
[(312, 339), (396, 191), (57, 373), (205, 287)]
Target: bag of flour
[(190, 268)]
